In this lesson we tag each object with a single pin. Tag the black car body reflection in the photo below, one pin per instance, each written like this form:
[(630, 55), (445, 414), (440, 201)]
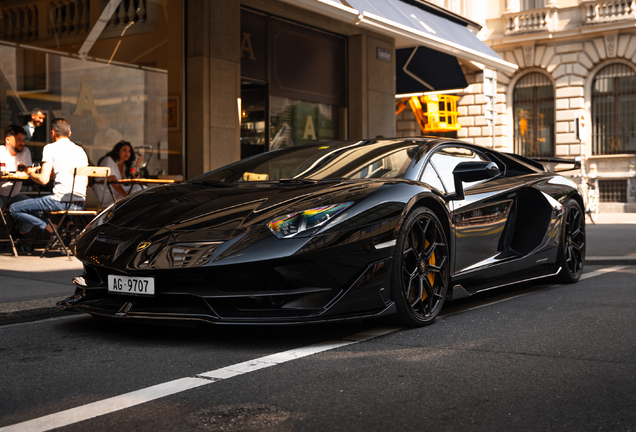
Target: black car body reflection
[(332, 231)]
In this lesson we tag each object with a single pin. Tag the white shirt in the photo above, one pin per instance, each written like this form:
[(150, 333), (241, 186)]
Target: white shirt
[(65, 155), (11, 164), (99, 187), (29, 128)]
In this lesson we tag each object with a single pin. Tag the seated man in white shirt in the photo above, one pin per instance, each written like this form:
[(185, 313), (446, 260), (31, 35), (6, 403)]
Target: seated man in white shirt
[(58, 159), (12, 154)]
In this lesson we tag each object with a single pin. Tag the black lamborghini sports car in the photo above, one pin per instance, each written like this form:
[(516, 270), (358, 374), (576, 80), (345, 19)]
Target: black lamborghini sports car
[(332, 231)]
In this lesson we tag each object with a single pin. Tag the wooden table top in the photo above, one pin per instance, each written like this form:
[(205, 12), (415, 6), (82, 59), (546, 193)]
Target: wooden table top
[(15, 176), (141, 181)]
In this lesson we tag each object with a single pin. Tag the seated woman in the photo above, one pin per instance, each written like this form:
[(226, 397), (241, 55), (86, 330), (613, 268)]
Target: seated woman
[(120, 161)]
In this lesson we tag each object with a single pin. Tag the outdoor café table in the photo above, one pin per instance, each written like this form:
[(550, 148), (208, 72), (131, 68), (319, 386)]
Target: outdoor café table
[(11, 176), (140, 181)]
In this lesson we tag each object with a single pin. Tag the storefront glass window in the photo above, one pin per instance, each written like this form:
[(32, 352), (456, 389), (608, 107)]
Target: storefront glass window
[(293, 90), (114, 79), (295, 122)]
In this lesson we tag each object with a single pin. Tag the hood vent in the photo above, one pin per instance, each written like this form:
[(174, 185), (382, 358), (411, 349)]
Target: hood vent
[(192, 254)]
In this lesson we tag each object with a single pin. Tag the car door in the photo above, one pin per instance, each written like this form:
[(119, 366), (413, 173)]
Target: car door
[(479, 219)]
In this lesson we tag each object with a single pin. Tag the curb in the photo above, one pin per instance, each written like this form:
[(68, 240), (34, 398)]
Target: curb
[(31, 310)]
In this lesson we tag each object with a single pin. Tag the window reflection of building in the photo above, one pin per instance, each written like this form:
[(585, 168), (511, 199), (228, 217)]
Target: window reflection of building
[(533, 105), (445, 161), (109, 89)]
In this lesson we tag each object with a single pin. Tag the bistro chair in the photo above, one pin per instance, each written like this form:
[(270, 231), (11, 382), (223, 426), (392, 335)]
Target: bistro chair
[(89, 171), (4, 214)]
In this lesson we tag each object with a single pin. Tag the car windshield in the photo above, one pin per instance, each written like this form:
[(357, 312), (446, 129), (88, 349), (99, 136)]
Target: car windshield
[(322, 161)]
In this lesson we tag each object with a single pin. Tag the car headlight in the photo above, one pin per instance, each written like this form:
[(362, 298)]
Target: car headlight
[(100, 219), (291, 224)]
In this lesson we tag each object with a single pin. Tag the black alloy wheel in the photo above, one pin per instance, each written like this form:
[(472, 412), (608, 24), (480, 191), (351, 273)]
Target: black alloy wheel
[(572, 250), (421, 271)]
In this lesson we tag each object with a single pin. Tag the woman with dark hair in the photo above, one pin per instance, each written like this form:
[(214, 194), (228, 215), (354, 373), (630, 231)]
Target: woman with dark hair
[(120, 161)]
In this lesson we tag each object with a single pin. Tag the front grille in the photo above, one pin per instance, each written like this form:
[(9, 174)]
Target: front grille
[(243, 290)]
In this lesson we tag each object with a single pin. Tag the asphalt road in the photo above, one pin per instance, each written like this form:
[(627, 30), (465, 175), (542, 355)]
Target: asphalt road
[(531, 357)]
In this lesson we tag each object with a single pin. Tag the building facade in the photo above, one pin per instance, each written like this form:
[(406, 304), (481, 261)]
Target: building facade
[(576, 60), (198, 84)]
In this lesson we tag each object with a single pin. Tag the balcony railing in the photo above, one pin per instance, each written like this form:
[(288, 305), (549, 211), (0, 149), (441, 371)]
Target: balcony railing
[(528, 21), (600, 12), (62, 20)]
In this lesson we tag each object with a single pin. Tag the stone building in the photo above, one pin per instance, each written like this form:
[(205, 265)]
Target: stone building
[(576, 59)]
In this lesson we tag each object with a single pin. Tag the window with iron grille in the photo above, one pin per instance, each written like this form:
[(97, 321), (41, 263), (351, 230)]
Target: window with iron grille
[(614, 110), (532, 4), (612, 190), (533, 104)]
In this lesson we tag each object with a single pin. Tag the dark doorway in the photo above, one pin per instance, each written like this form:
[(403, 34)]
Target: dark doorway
[(254, 129)]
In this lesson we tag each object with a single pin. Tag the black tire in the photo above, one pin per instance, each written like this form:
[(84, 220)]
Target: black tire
[(572, 248), (421, 272)]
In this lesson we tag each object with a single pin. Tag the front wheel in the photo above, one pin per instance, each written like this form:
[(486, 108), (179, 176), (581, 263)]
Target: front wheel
[(421, 270), (572, 248)]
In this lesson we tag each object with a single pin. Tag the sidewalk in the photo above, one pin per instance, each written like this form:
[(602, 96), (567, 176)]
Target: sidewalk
[(30, 286), (614, 218)]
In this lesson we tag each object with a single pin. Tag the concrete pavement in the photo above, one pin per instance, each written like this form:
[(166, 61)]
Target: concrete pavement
[(30, 286)]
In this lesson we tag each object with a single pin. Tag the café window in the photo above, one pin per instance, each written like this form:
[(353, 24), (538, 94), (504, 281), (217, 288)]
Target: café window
[(533, 105), (614, 110), (123, 84)]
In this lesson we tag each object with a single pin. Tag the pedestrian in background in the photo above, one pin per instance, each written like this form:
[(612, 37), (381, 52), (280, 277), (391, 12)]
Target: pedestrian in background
[(58, 159), (14, 156)]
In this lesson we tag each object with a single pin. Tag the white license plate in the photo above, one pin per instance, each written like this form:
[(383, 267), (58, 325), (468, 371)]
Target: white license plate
[(131, 285)]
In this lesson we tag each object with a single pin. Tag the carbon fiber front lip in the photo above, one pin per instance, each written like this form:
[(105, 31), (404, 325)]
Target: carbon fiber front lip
[(211, 319)]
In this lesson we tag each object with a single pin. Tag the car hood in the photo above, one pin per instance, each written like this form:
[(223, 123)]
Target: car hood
[(195, 206)]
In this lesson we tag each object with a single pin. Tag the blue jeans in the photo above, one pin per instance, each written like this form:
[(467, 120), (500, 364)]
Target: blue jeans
[(26, 211), (14, 199)]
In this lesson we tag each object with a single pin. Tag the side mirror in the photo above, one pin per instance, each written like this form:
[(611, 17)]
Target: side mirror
[(470, 172)]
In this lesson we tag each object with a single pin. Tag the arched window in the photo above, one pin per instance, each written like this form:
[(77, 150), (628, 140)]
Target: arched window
[(533, 104), (614, 110)]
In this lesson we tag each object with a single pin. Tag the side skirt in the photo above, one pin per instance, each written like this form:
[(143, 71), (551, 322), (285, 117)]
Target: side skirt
[(460, 292)]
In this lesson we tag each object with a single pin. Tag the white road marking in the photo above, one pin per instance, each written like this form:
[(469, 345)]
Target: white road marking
[(117, 403), (138, 397), (602, 271)]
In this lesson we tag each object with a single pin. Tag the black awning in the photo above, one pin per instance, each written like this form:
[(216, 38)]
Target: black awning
[(421, 69)]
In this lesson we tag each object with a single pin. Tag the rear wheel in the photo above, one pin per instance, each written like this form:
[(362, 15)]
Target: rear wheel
[(421, 271), (572, 249)]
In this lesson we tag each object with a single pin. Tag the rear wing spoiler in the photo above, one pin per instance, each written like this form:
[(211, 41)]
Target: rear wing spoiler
[(576, 162)]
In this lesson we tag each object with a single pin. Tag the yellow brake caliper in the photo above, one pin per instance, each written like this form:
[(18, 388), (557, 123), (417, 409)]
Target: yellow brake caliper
[(431, 276)]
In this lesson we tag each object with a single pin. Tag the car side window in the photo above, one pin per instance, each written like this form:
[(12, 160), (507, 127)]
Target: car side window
[(446, 159), (431, 178)]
